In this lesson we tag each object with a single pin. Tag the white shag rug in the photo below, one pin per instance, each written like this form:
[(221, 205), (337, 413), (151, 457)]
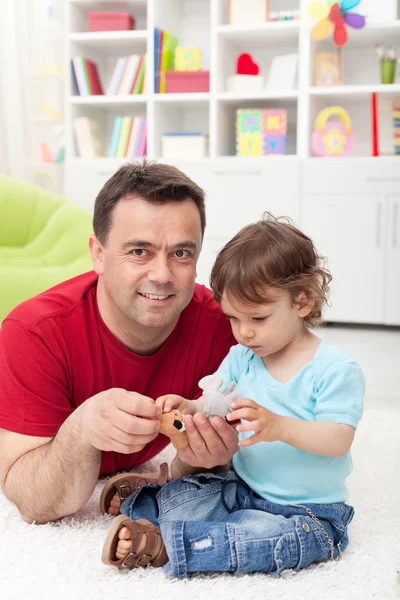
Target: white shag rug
[(62, 560)]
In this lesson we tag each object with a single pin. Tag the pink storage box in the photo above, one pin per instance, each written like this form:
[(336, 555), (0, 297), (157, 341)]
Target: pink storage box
[(187, 81), (103, 20)]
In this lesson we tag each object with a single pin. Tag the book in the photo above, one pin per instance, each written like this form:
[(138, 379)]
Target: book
[(80, 76), (95, 87), (138, 84), (87, 134), (117, 75), (129, 75), (328, 69), (124, 137), (112, 153)]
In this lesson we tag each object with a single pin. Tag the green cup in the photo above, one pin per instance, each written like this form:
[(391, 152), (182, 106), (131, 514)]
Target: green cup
[(388, 67)]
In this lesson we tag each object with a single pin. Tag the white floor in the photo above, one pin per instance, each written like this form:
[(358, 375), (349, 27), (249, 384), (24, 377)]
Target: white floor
[(63, 559)]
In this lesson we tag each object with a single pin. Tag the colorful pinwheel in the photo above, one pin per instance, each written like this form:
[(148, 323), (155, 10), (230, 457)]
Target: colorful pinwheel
[(335, 16)]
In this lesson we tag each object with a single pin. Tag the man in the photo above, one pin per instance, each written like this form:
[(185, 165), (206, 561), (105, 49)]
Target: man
[(82, 364)]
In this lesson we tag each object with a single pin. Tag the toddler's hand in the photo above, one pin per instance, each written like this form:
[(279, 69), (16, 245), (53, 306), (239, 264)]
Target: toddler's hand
[(172, 401), (267, 426)]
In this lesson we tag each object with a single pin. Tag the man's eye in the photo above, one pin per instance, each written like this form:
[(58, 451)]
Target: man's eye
[(260, 318), (139, 252), (182, 253)]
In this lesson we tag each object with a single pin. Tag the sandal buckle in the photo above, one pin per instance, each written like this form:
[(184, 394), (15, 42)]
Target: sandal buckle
[(137, 562), (124, 491)]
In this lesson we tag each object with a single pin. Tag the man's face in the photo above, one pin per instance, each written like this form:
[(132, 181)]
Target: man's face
[(148, 266)]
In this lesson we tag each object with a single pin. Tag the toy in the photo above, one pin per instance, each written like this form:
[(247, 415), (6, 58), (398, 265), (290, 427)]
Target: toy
[(187, 59), (247, 78), (335, 16), (172, 425), (334, 138), (260, 131), (217, 403)]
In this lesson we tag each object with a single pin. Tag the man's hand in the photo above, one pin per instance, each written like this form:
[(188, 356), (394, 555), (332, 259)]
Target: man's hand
[(267, 426), (211, 443), (119, 421)]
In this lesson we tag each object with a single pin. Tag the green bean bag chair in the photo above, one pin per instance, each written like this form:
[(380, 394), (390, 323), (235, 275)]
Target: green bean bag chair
[(43, 241)]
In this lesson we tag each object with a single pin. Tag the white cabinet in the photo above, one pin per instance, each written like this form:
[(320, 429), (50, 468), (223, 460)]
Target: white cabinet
[(238, 193), (349, 232), (392, 288)]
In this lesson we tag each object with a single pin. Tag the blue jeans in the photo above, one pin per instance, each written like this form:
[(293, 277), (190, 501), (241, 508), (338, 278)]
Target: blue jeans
[(214, 522)]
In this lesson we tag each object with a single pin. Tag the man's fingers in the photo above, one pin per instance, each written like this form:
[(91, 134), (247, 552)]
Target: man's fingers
[(133, 425), (227, 434), (131, 439), (136, 404)]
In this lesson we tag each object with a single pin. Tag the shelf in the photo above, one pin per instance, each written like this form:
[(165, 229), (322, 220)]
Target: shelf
[(388, 33), (107, 101), (108, 39), (233, 98), (45, 121), (345, 91), (182, 100), (93, 4), (280, 33)]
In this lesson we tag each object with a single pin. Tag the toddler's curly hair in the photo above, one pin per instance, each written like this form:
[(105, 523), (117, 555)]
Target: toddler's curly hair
[(271, 254)]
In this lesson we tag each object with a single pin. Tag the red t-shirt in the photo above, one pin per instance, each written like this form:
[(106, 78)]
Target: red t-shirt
[(56, 352)]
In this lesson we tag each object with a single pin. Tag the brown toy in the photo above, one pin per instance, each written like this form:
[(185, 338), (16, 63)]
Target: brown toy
[(172, 425)]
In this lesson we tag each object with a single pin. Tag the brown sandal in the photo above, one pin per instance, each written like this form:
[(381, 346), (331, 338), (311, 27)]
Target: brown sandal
[(125, 484), (152, 553)]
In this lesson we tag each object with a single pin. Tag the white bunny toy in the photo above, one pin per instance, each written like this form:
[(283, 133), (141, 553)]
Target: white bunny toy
[(217, 404)]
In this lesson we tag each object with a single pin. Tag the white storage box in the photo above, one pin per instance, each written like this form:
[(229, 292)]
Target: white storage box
[(192, 144)]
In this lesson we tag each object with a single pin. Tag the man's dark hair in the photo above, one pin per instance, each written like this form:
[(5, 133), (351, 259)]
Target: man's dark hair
[(153, 182)]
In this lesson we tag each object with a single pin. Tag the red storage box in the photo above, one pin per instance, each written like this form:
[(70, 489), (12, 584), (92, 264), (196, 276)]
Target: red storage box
[(103, 20), (187, 81)]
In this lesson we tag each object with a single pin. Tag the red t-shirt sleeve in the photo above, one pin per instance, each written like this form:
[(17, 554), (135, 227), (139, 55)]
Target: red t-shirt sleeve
[(34, 395)]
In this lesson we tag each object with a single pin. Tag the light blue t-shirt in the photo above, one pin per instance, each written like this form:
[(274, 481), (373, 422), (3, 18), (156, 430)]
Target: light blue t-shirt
[(329, 388)]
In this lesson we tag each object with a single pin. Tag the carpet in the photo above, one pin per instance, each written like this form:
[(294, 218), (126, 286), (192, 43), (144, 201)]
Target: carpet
[(62, 560)]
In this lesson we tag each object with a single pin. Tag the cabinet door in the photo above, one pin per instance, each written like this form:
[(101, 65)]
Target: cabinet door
[(241, 191), (392, 296), (349, 231)]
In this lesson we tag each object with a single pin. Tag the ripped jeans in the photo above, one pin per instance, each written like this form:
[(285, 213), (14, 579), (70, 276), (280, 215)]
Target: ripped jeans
[(214, 522)]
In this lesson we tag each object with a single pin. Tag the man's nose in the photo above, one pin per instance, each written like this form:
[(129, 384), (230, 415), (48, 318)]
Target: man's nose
[(160, 271)]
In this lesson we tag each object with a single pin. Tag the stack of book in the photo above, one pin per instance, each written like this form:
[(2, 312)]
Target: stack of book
[(396, 127), (128, 76), (128, 137), (87, 135), (85, 77), (164, 57)]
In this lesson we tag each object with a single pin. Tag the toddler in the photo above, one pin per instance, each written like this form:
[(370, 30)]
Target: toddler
[(282, 505)]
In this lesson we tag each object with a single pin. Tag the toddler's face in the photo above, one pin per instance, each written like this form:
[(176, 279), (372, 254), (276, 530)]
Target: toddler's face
[(264, 328)]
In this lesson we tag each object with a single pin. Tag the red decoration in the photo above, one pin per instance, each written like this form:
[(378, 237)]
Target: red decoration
[(245, 65)]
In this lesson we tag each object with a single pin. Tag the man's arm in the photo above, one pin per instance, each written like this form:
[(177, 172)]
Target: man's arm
[(50, 478)]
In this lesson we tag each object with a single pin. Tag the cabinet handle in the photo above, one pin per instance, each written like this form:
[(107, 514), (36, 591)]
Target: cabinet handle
[(238, 172), (378, 224), (383, 179), (108, 173), (394, 225)]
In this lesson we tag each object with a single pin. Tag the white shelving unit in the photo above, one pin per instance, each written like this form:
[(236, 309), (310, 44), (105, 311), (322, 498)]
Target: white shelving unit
[(204, 24), (239, 189)]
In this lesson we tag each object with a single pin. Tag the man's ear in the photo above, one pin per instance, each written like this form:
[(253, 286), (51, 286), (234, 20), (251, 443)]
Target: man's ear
[(97, 254), (304, 305)]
